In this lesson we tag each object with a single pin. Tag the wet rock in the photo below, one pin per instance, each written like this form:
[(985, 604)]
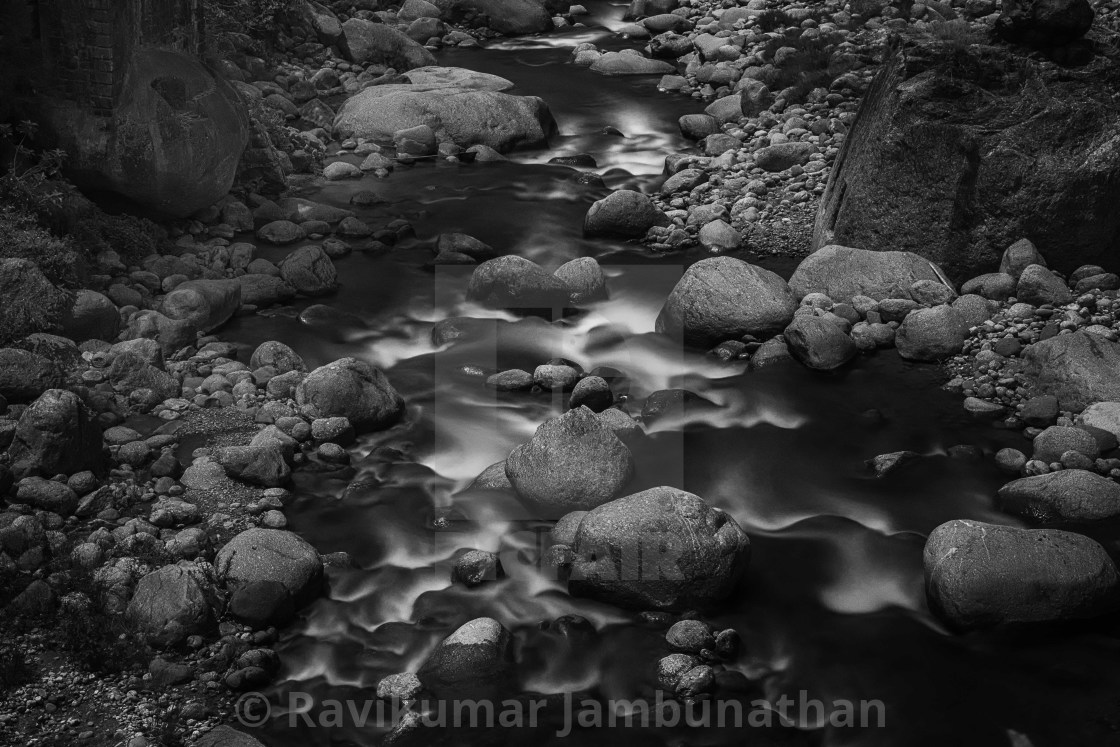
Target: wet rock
[(671, 668), (818, 343), (473, 662), (690, 637), (584, 279), (280, 232), (511, 17), (492, 478), (555, 377), (931, 334), (364, 42), (674, 404), (461, 243), (513, 380), (624, 214), (354, 390), (1079, 369), (310, 271), (573, 462), (724, 298), (169, 605), (696, 681), (278, 567), (263, 290), (1066, 496), (404, 686), (982, 575), (884, 464), (591, 392), (457, 77), (1011, 461), (516, 282), (842, 273), (463, 116), (1040, 412), (56, 434), (475, 567), (679, 552)]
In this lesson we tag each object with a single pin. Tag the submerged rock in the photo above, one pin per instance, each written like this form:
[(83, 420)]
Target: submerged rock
[(660, 549), (623, 213), (515, 282), (982, 575)]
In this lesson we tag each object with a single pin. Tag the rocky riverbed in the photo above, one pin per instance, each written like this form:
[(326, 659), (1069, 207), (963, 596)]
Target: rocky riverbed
[(514, 367)]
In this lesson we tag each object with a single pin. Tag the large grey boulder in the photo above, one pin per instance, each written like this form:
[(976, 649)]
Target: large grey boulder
[(169, 605), (475, 661), (934, 164), (310, 271), (463, 116), (92, 316), (624, 213), (1079, 369), (842, 272), (270, 572), (1068, 495), (819, 343), (365, 42), (724, 298), (660, 549), (56, 434), (1102, 415), (516, 282), (1038, 285), (931, 334), (205, 304), (573, 462), (351, 389), (982, 575)]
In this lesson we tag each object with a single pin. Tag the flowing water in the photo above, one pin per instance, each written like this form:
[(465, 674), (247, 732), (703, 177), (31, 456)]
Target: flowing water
[(833, 604)]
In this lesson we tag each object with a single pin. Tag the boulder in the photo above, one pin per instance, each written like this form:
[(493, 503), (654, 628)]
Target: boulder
[(322, 20), (1057, 440), (511, 17), (278, 356), (783, 156), (279, 559), (205, 304), (996, 286), (169, 605), (1102, 415), (1066, 496), (47, 495), (310, 271), (474, 662), (1079, 369), (931, 334), (352, 389), (91, 317), (172, 334), (516, 282), (256, 465), (623, 213), (172, 140), (819, 343), (262, 291), (934, 164), (463, 116), (365, 42), (724, 298), (25, 375), (661, 549), (1038, 286), (573, 462), (56, 434), (1018, 257), (584, 279), (225, 736), (842, 273), (982, 575)]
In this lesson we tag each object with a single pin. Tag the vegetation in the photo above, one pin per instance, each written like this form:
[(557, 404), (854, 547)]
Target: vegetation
[(15, 669), (256, 18)]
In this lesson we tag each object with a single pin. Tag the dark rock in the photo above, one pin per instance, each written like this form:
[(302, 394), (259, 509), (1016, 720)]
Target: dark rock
[(169, 605), (624, 214), (1066, 496), (56, 434), (516, 282), (25, 375), (365, 42), (257, 556), (1079, 369), (660, 549), (1044, 23), (931, 334), (983, 575), (473, 662), (818, 343), (352, 389), (842, 273), (475, 567)]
